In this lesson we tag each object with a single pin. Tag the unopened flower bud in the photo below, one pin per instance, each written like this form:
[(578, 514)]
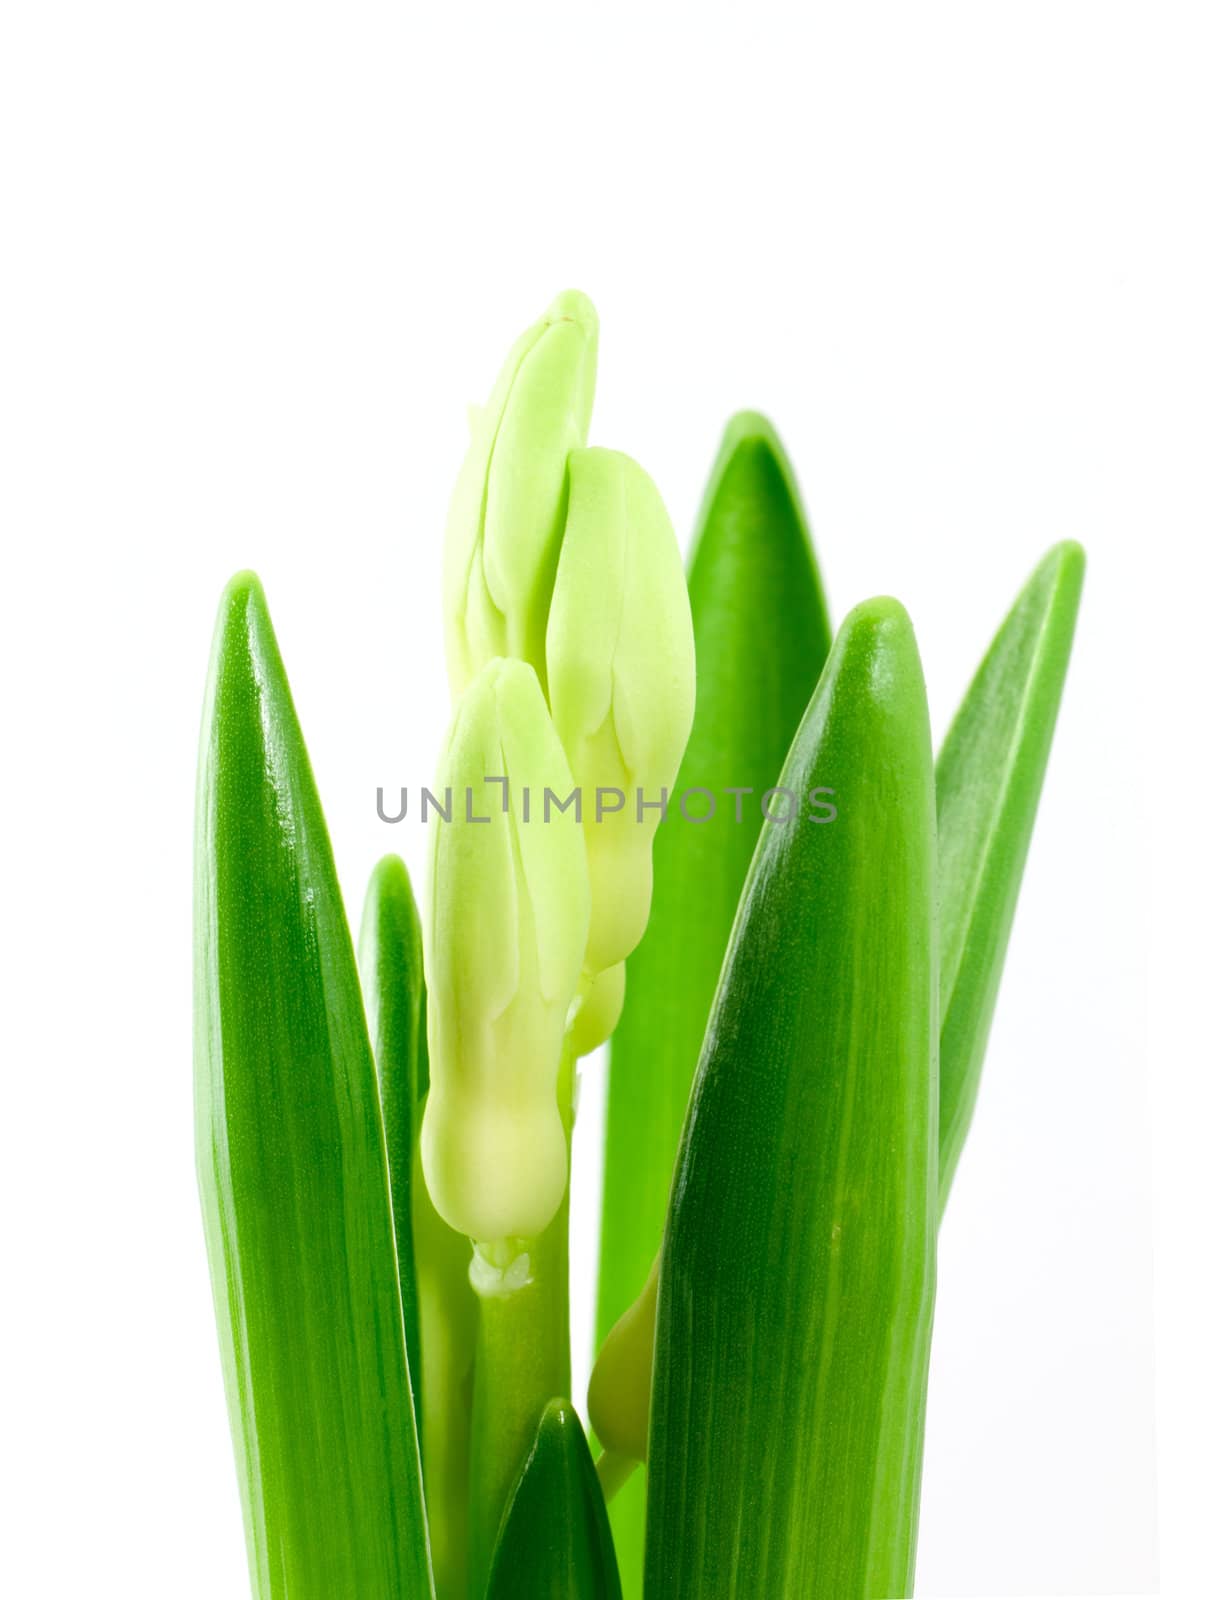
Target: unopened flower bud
[(621, 682), (509, 910), (622, 1380), (508, 507), (593, 1020)]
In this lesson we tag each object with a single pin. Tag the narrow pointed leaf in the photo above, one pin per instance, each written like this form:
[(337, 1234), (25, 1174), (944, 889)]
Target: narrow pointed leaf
[(291, 1159), (761, 636), (555, 1541), (989, 780), (796, 1298), (391, 970), (433, 1259)]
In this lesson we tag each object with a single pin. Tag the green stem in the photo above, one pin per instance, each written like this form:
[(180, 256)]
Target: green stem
[(522, 1359)]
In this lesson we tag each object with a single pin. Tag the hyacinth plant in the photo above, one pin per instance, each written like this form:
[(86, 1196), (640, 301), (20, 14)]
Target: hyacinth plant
[(679, 815)]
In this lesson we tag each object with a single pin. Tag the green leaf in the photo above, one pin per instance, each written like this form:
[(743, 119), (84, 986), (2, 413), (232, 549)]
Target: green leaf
[(439, 1305), (555, 1541), (796, 1299), (291, 1159), (761, 637), (391, 971), (989, 780)]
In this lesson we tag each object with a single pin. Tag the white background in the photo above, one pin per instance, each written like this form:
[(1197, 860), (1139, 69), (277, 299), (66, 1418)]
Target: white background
[(255, 264)]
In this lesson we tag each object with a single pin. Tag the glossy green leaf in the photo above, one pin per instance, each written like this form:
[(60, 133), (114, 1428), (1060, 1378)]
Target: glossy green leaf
[(291, 1159), (555, 1541), (796, 1298), (761, 637), (391, 971), (433, 1259), (989, 780)]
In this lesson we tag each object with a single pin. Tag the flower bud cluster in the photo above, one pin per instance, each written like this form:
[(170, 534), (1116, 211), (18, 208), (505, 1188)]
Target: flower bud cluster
[(571, 653)]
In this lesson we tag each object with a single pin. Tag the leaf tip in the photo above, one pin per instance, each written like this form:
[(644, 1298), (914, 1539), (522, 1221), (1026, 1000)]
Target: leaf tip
[(243, 593), (389, 877), (558, 1417), (243, 623), (1066, 563), (881, 623), (751, 437)]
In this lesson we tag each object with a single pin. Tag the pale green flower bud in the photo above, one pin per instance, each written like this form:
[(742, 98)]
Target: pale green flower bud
[(593, 1019), (508, 915), (508, 507), (622, 1380), (621, 682)]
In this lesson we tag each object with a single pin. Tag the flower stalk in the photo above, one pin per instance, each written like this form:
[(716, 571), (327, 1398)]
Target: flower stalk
[(523, 1358)]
